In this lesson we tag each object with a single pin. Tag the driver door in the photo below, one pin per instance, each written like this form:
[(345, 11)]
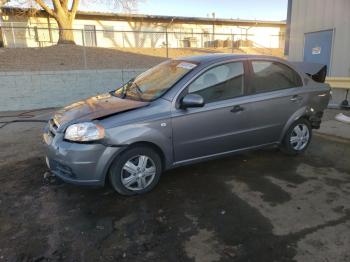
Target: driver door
[(221, 125)]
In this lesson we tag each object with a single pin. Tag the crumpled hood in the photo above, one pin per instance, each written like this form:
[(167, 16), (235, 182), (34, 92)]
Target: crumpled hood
[(95, 107)]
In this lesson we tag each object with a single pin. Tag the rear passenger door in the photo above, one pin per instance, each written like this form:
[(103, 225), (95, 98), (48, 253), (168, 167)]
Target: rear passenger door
[(276, 93)]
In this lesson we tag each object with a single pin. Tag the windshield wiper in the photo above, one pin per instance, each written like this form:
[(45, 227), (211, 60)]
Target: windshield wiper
[(123, 89), (127, 88), (138, 91)]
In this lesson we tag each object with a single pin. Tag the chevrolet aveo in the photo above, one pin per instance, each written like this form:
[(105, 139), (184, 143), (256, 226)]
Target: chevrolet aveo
[(184, 111)]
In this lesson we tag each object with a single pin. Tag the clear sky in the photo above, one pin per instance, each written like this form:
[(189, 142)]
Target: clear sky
[(243, 9)]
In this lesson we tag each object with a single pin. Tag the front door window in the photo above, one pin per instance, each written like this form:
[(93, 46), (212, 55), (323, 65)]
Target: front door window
[(222, 82)]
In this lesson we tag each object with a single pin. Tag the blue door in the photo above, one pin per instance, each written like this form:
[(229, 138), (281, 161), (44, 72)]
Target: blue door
[(318, 47)]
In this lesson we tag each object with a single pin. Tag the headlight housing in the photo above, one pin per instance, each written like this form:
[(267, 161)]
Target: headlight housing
[(84, 132)]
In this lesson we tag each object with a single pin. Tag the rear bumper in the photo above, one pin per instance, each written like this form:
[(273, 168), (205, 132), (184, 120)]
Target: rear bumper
[(80, 164)]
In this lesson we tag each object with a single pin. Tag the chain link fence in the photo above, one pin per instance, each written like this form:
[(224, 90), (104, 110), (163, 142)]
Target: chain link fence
[(14, 36), (107, 49)]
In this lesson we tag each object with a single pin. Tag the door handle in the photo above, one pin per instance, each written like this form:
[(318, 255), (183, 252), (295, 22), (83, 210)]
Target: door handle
[(296, 98), (237, 109)]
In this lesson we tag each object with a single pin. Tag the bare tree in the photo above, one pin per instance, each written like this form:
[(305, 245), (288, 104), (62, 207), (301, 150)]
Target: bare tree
[(2, 3), (64, 12)]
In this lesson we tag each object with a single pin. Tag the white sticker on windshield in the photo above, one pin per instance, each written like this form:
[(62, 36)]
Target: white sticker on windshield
[(186, 65)]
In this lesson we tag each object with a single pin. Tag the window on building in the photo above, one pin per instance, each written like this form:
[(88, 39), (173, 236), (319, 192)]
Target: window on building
[(270, 76), (220, 83), (108, 32)]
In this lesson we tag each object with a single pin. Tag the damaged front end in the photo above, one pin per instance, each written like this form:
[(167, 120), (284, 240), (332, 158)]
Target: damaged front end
[(96, 107)]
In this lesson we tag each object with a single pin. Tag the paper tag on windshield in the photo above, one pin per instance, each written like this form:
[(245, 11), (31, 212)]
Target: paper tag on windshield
[(186, 65)]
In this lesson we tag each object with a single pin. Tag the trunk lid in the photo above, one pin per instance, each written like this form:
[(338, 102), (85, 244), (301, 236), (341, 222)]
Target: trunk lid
[(317, 72)]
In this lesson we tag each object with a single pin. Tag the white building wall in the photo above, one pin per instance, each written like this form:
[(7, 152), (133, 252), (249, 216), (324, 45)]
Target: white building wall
[(264, 36)]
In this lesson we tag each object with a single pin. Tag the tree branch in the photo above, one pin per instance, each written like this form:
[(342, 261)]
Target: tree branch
[(74, 8), (3, 2), (64, 4), (57, 6), (46, 8)]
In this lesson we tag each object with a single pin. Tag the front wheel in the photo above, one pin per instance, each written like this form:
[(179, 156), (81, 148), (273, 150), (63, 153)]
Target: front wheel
[(297, 138), (136, 171)]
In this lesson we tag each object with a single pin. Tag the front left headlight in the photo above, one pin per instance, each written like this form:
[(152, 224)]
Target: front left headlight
[(84, 132)]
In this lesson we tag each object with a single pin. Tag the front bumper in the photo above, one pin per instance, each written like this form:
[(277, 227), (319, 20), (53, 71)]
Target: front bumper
[(82, 164)]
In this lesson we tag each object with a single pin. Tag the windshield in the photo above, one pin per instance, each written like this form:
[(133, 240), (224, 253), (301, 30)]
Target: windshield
[(156, 81)]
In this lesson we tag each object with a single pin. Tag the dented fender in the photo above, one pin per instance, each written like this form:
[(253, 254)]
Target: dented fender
[(303, 111)]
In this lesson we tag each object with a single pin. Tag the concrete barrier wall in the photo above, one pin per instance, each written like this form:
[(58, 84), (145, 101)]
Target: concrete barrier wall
[(33, 90)]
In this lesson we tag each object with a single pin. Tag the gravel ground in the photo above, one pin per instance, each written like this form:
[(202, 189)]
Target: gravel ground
[(258, 206), (67, 57)]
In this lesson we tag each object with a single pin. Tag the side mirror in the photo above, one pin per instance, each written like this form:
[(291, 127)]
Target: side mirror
[(192, 100)]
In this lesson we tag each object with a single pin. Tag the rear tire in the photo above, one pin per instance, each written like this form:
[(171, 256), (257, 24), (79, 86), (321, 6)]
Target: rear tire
[(136, 171), (297, 138)]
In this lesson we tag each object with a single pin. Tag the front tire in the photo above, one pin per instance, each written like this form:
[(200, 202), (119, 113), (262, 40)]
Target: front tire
[(297, 138), (136, 171)]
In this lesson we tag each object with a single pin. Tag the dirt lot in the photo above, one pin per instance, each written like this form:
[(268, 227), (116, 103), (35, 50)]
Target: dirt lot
[(259, 206), (68, 57)]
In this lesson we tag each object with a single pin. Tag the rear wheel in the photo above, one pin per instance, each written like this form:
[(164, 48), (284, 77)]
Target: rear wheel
[(136, 171), (297, 138)]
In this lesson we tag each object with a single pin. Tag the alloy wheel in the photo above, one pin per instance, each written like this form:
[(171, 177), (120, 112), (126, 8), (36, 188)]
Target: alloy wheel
[(300, 137), (138, 173)]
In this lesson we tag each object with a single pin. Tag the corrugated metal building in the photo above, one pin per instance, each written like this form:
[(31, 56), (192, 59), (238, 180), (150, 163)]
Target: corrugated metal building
[(319, 31)]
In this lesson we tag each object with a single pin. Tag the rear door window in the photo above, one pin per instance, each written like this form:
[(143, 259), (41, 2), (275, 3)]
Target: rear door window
[(268, 76)]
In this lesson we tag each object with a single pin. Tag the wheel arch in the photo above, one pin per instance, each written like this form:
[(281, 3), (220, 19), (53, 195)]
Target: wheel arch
[(304, 112), (154, 146)]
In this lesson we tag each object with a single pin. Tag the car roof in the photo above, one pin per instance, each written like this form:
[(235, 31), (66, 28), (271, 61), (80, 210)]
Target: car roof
[(208, 58)]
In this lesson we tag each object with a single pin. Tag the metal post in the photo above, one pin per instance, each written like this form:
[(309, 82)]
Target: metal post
[(49, 28), (232, 39), (2, 37), (84, 50), (13, 35), (166, 42)]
